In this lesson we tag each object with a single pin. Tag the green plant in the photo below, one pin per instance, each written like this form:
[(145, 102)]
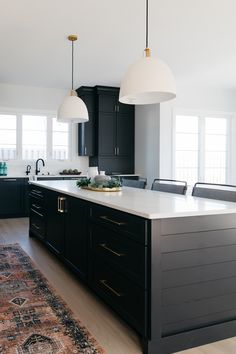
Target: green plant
[(83, 182), (113, 183)]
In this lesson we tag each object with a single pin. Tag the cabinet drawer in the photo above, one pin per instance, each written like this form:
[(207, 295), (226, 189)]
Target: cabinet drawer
[(134, 226), (36, 204), (36, 192), (37, 224), (127, 255), (123, 295)]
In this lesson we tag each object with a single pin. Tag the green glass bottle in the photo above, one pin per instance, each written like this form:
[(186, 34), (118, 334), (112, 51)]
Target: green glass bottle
[(4, 169), (1, 169)]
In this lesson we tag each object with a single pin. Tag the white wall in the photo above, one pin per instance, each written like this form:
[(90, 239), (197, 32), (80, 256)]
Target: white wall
[(38, 100), (147, 141)]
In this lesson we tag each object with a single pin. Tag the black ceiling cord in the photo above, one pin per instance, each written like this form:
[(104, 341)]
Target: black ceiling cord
[(147, 20)]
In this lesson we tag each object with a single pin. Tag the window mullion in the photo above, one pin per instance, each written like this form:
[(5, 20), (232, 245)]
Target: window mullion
[(201, 149), (19, 134), (229, 149), (49, 137), (173, 172)]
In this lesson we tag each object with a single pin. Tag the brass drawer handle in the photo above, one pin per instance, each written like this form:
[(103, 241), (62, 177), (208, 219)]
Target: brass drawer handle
[(36, 226), (36, 206), (103, 245), (104, 217), (35, 191), (104, 283)]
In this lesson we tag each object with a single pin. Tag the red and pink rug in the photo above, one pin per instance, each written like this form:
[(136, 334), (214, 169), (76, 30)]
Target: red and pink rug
[(33, 319)]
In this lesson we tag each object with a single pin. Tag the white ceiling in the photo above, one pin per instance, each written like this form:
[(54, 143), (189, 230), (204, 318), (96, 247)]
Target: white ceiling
[(195, 37)]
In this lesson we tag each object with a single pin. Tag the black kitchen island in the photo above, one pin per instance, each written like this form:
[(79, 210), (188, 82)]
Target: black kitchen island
[(165, 263)]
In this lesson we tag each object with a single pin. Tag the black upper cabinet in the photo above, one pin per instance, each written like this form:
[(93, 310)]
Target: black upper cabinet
[(108, 137), (106, 134), (115, 125), (86, 131)]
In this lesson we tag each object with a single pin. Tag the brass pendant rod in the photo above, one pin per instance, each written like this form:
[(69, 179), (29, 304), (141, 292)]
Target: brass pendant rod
[(72, 67), (147, 23)]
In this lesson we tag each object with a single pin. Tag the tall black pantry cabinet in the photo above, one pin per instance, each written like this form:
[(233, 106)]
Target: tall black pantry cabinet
[(86, 131), (113, 125)]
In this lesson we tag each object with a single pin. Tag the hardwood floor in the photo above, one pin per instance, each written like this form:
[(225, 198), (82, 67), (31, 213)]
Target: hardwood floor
[(111, 333)]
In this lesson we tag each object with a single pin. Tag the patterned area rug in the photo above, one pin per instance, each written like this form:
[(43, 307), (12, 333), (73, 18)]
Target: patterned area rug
[(33, 319)]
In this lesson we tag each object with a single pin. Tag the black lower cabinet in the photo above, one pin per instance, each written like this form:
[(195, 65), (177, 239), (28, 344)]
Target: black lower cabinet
[(61, 223), (55, 221), (124, 296), (76, 240), (104, 247), (13, 202)]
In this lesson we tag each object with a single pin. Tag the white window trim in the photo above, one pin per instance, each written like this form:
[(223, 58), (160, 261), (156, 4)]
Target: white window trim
[(72, 131), (230, 177)]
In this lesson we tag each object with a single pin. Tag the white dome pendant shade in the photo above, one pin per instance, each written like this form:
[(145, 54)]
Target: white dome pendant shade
[(149, 80), (73, 108)]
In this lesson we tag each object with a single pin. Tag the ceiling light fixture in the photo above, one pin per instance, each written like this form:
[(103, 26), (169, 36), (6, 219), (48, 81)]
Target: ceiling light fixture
[(149, 80), (73, 109)]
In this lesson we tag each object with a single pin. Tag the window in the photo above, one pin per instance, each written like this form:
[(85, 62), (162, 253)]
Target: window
[(200, 149), (34, 137), (60, 141), (215, 150), (186, 148), (7, 137), (31, 136)]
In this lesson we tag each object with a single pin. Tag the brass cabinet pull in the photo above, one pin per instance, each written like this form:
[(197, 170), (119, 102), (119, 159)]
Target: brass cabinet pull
[(36, 226), (58, 204), (104, 217), (9, 180), (36, 191), (60, 208), (103, 245), (36, 206), (63, 204), (104, 283)]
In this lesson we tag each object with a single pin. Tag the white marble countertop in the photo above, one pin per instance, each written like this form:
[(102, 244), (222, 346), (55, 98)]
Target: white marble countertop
[(41, 176), (145, 203)]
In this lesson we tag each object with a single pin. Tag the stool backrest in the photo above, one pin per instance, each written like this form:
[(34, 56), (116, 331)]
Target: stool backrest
[(225, 192), (169, 186)]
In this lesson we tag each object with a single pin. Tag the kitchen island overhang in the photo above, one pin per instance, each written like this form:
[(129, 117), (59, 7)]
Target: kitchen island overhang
[(190, 262)]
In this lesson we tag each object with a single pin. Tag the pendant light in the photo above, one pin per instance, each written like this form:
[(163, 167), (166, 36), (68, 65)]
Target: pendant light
[(149, 80), (73, 109)]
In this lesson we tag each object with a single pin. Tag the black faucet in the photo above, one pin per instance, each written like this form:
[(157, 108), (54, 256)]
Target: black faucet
[(37, 169), (28, 168)]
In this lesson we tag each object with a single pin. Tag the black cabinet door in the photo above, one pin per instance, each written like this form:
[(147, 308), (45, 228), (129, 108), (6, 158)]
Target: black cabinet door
[(55, 222), (125, 134), (107, 102), (107, 134), (86, 136), (76, 235), (12, 196), (86, 131)]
